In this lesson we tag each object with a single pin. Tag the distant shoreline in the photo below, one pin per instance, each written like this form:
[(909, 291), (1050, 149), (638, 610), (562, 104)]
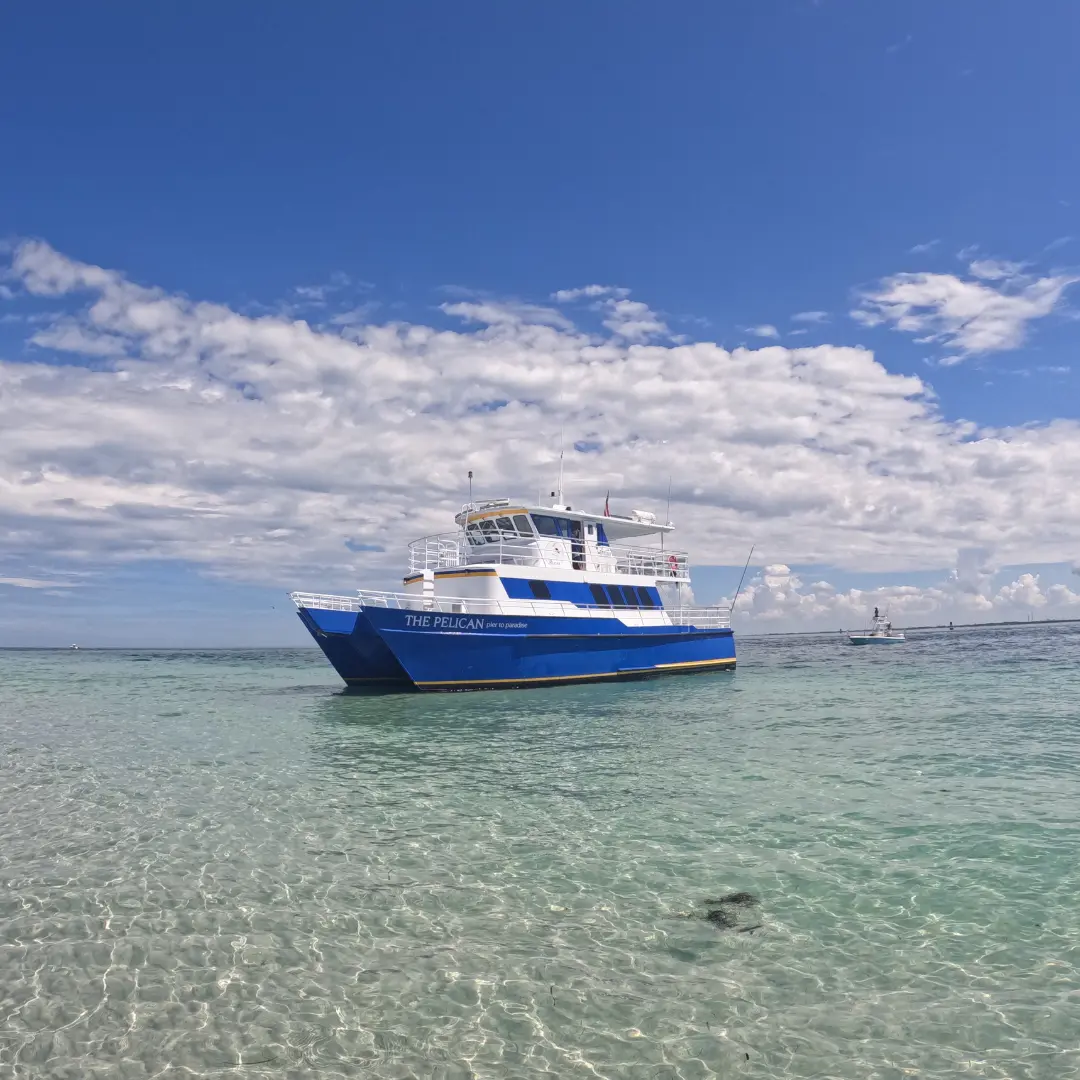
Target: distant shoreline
[(935, 626)]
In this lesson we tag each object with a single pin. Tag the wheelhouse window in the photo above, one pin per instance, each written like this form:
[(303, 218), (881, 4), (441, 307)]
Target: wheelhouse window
[(523, 526), (540, 590), (506, 527), (475, 536), (491, 534), (546, 526)]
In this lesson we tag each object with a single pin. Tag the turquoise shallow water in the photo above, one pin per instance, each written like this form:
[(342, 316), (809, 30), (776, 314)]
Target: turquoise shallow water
[(218, 861)]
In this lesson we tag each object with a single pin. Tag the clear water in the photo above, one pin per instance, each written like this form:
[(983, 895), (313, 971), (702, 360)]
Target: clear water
[(218, 861)]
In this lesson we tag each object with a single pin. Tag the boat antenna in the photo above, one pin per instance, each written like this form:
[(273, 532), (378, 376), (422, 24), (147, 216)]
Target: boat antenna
[(744, 569), (667, 515), (470, 487), (560, 466)]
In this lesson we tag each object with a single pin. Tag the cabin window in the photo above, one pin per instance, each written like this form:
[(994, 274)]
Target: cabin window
[(491, 534), (616, 594), (506, 526), (645, 597), (540, 590), (546, 526), (474, 534), (599, 595), (523, 526)]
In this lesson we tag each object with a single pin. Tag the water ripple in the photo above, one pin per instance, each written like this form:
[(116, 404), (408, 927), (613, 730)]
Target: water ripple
[(215, 863)]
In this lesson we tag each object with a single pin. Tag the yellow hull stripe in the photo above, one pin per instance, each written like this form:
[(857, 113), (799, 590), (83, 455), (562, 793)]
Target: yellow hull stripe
[(726, 662), (700, 663), (443, 575)]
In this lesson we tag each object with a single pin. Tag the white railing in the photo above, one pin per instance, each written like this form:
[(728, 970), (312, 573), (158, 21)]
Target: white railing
[(446, 550), (325, 602), (706, 618)]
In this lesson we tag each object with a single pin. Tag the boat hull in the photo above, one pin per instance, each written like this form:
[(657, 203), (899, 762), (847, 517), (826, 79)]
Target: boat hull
[(443, 652), (356, 651), (867, 639)]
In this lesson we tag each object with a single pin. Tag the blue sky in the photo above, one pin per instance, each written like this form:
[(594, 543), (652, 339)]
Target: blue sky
[(731, 167)]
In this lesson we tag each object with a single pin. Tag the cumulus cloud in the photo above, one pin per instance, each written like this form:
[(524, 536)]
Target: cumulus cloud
[(968, 316), (810, 316), (777, 599), (630, 320), (267, 450)]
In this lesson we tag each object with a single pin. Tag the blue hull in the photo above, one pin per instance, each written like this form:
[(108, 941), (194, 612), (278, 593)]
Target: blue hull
[(461, 652), (358, 654)]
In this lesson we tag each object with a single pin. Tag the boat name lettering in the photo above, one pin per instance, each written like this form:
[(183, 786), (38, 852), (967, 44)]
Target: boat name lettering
[(460, 622)]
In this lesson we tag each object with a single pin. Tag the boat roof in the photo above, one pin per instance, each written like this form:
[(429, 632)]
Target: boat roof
[(616, 527)]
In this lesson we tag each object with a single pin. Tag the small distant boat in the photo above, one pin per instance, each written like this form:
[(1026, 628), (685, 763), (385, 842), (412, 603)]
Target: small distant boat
[(881, 632), (73, 646)]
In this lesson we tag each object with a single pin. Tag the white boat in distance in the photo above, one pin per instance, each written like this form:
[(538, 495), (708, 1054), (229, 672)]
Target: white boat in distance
[(881, 632)]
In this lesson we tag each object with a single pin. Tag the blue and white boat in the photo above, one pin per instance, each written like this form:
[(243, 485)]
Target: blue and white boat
[(525, 595), (881, 632)]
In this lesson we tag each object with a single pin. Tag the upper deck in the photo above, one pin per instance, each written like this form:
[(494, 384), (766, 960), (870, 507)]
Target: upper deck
[(501, 532)]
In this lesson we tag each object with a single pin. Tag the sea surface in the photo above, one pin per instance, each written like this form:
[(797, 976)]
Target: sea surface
[(218, 864)]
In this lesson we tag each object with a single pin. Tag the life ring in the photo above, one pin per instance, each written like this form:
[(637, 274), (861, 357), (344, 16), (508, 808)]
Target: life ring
[(673, 564)]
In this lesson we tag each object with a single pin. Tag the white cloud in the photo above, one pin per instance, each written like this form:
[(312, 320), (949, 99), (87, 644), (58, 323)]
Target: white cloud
[(922, 249), (564, 296), (967, 316), (763, 331), (69, 336), (507, 313), (974, 571), (776, 599), (36, 583), (996, 269), (632, 320), (266, 450), (810, 316)]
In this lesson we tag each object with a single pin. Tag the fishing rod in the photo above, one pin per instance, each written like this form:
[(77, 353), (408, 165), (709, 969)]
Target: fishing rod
[(741, 579)]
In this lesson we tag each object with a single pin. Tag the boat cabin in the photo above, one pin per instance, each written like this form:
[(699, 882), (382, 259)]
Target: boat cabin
[(516, 550)]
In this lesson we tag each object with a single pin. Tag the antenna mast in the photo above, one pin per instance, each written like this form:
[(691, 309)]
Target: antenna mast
[(667, 515), (560, 466), (470, 487)]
